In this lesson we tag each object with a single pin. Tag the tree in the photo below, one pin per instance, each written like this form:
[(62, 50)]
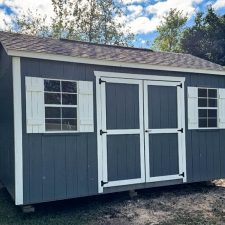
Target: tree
[(206, 38), (170, 31), (87, 20)]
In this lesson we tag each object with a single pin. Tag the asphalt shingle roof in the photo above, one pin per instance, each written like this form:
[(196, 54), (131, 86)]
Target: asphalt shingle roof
[(20, 42)]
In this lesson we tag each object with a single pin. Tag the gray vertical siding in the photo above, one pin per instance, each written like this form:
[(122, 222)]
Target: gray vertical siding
[(7, 173), (60, 166)]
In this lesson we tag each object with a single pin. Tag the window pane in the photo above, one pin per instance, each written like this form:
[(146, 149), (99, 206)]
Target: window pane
[(69, 99), (212, 93), (69, 86), (52, 125), (202, 102), (202, 122), (212, 102), (51, 98), (202, 112), (52, 85), (202, 92), (52, 112), (69, 124), (212, 113), (69, 113), (212, 122)]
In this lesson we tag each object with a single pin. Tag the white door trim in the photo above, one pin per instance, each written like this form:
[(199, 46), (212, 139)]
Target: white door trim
[(102, 139), (181, 136), (99, 74)]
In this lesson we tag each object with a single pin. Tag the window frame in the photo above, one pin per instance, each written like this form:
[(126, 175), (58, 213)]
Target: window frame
[(207, 108), (62, 106)]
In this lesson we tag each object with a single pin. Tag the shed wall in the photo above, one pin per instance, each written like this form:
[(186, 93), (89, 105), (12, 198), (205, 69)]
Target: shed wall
[(7, 173), (61, 166)]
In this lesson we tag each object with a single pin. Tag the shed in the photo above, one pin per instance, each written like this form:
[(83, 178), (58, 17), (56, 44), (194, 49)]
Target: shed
[(80, 119)]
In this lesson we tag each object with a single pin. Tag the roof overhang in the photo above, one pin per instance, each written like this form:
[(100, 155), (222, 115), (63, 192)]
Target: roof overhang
[(103, 62)]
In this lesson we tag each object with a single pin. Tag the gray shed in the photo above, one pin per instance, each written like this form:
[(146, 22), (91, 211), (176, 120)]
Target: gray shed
[(80, 119)]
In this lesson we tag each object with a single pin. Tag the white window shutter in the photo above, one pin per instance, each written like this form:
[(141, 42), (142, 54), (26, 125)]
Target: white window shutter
[(221, 108), (192, 107), (85, 106), (35, 111)]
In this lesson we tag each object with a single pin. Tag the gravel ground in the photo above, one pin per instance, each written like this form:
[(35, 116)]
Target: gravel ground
[(182, 204)]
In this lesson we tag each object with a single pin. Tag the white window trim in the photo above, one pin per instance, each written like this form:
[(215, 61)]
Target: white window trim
[(63, 106)]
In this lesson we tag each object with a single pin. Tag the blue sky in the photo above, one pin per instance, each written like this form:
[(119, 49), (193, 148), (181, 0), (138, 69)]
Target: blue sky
[(143, 16)]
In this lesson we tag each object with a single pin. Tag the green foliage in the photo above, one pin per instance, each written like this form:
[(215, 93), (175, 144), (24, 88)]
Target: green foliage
[(170, 31), (206, 38), (87, 20)]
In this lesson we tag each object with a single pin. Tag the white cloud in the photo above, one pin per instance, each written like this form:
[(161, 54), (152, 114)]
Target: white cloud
[(219, 4), (126, 2), (143, 25), (19, 7), (135, 10), (161, 8), (153, 14)]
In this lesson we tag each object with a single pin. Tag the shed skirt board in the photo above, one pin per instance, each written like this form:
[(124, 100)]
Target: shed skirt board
[(141, 131)]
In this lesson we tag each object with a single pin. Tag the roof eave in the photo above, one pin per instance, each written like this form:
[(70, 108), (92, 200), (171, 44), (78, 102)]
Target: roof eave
[(64, 58)]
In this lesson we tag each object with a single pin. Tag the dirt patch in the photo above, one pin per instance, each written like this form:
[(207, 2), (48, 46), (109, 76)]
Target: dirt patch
[(184, 204)]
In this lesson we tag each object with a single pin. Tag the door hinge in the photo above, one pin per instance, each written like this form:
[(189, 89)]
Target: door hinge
[(103, 183), (102, 132), (182, 174), (181, 130), (180, 85), (101, 81)]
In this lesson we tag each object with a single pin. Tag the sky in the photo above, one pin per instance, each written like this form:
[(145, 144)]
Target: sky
[(143, 16)]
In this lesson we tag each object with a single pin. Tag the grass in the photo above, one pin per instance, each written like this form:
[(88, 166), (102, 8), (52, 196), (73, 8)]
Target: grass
[(164, 206)]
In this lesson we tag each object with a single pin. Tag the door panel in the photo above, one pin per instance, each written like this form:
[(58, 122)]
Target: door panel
[(122, 106), (122, 132), (164, 130), (162, 107), (163, 155), (123, 157)]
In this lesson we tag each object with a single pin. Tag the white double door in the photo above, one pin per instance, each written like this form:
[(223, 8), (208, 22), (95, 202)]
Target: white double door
[(141, 131)]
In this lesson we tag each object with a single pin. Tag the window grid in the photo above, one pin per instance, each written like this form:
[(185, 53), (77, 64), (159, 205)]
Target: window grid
[(61, 105), (207, 108)]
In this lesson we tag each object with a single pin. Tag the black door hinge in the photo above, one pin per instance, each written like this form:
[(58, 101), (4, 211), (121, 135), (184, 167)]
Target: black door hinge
[(180, 85), (103, 183), (182, 174), (101, 81), (181, 130), (102, 132)]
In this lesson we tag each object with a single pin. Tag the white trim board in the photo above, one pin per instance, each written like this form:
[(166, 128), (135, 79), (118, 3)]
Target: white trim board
[(64, 58), (125, 76), (18, 145)]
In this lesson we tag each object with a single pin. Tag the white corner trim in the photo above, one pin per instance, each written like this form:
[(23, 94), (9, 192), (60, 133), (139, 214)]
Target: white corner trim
[(18, 146), (64, 58)]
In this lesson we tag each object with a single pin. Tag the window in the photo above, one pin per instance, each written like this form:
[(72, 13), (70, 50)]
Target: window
[(207, 107), (60, 99)]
